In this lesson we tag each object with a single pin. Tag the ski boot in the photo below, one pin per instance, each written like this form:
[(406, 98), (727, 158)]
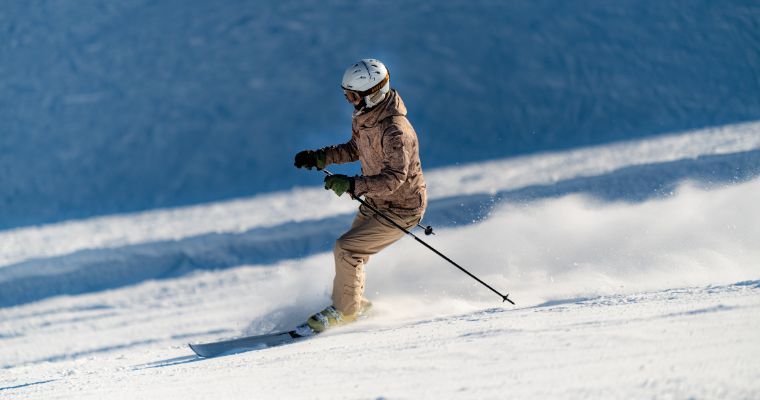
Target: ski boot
[(330, 317)]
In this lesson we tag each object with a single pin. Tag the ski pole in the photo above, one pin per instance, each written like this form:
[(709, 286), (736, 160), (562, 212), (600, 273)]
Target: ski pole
[(422, 242)]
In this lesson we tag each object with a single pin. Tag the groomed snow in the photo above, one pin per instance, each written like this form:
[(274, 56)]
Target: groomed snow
[(694, 342), (653, 298)]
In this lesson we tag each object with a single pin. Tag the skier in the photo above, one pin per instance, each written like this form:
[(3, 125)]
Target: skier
[(385, 143)]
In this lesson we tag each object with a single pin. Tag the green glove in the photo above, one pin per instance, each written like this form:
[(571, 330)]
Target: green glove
[(339, 184)]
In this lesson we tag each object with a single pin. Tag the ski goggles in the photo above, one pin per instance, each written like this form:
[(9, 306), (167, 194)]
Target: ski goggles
[(354, 97), (351, 96)]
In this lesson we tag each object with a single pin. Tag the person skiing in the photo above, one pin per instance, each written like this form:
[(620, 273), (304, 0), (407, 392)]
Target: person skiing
[(384, 141)]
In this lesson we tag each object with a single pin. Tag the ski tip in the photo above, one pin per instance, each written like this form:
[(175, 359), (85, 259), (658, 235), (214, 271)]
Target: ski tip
[(197, 351)]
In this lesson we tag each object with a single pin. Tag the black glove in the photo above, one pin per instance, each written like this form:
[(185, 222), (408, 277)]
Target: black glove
[(310, 159), (340, 184)]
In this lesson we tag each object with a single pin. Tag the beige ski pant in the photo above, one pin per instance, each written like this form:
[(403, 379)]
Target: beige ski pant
[(368, 235)]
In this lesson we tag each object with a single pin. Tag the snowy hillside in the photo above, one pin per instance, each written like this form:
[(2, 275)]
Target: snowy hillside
[(118, 106), (634, 265)]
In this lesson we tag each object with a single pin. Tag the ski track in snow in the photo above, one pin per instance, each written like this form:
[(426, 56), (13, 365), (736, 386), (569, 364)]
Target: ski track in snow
[(619, 299)]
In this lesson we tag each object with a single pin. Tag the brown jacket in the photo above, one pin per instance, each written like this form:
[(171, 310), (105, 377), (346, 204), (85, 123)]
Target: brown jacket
[(386, 144)]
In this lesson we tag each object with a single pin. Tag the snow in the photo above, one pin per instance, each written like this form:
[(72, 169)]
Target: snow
[(653, 294), (110, 107), (697, 342)]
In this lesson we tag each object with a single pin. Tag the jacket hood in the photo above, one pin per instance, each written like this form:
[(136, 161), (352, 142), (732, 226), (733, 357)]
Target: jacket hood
[(391, 106)]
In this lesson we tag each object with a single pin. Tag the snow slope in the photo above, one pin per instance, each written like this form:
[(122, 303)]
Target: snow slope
[(109, 107), (635, 269), (696, 342)]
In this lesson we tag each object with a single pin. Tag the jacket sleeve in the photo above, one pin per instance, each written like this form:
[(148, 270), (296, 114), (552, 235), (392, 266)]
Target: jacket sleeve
[(396, 155), (342, 153)]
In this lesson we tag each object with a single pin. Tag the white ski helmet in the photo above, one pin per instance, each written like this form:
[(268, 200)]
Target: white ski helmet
[(369, 80)]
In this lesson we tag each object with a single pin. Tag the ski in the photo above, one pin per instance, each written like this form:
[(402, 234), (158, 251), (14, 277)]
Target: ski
[(213, 349)]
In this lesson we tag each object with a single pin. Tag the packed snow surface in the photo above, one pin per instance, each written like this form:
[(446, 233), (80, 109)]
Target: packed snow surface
[(645, 295)]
